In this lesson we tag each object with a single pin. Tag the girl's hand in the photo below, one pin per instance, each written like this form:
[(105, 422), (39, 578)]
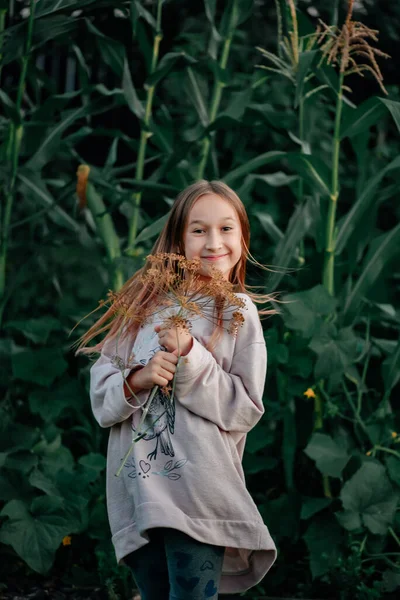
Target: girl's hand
[(159, 370), (174, 339)]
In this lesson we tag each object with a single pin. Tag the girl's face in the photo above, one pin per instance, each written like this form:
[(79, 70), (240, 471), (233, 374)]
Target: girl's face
[(213, 234)]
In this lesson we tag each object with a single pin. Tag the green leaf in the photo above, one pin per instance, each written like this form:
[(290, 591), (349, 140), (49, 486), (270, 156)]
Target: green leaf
[(336, 349), (394, 109), (289, 443), (33, 185), (152, 230), (329, 457), (238, 104), (193, 90), (94, 461), (40, 366), (369, 495), (312, 169), (277, 179), (367, 198), (35, 534), (306, 60), (40, 481), (144, 14), (36, 330), (391, 369), (253, 165), (130, 94), (381, 250), (323, 538), (170, 60), (393, 467), (305, 310), (47, 7), (285, 251), (312, 506), (9, 108), (269, 226), (361, 118), (69, 395), (112, 52)]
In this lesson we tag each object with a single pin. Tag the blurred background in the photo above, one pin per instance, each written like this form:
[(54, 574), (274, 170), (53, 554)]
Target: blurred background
[(108, 110)]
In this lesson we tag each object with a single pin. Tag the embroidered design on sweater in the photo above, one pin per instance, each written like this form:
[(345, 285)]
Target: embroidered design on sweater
[(145, 471), (159, 424), (169, 467)]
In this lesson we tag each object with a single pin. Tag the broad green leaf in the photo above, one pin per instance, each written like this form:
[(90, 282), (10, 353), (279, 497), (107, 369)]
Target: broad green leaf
[(382, 250), (40, 481), (237, 105), (329, 457), (336, 349), (52, 27), (48, 7), (393, 467), (236, 12), (253, 165), (351, 221), (306, 60), (391, 369), (33, 185), (323, 538), (94, 461), (36, 330), (104, 223), (69, 396), (196, 96), (112, 52), (304, 310), (277, 179), (169, 61), (40, 366), (269, 226), (286, 249), (52, 141), (313, 170), (360, 119), (394, 109), (311, 506), (143, 13), (35, 533), (9, 107), (369, 495), (130, 94), (152, 230)]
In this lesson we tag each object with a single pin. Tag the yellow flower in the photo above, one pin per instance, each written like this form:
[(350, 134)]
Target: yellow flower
[(368, 453), (310, 393), (66, 540), (394, 435)]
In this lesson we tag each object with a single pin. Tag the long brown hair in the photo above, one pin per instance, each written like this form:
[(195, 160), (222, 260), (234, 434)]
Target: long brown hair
[(135, 293)]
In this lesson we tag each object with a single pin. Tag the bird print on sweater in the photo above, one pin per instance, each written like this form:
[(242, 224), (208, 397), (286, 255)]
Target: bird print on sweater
[(159, 424)]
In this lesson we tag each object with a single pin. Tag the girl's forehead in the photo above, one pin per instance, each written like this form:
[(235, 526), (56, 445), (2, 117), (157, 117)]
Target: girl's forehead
[(211, 207)]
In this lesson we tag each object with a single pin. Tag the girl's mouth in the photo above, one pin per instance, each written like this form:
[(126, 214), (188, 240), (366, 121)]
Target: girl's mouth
[(212, 258)]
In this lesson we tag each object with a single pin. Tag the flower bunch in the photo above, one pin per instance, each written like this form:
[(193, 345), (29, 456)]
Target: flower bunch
[(171, 281)]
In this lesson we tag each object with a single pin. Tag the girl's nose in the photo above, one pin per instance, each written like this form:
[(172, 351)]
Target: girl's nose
[(213, 241)]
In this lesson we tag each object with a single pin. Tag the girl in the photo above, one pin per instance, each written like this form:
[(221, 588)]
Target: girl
[(180, 514)]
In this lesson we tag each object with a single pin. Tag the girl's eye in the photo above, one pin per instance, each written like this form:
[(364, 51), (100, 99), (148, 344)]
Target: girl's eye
[(198, 231), (227, 228)]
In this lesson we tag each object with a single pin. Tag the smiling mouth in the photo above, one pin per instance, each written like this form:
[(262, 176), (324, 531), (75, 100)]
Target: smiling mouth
[(214, 257)]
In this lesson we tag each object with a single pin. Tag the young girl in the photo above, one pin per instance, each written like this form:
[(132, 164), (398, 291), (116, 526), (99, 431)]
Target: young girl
[(180, 514)]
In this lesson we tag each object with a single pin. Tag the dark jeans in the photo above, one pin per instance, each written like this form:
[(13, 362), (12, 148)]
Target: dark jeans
[(174, 566)]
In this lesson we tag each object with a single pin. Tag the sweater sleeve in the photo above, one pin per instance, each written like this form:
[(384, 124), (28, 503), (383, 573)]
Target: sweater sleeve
[(232, 400), (107, 397)]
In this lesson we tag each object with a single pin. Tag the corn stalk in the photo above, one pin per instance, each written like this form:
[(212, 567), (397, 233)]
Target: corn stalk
[(217, 90), (144, 130), (16, 133)]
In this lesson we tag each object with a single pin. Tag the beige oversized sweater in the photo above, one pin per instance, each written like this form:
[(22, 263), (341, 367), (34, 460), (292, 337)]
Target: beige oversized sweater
[(186, 473)]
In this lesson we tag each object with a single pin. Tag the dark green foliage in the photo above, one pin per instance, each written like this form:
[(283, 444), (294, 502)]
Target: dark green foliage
[(160, 94)]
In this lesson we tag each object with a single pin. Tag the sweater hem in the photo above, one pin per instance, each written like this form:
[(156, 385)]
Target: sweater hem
[(250, 542)]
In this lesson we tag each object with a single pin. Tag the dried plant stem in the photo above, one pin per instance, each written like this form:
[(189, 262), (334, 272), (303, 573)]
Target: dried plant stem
[(329, 261), (144, 132), (217, 91), (16, 132)]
